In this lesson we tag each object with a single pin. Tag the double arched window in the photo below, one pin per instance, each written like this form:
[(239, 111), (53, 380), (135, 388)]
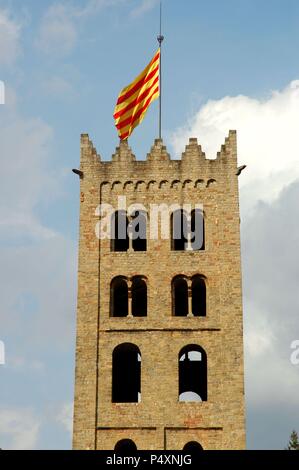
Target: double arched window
[(128, 297), (128, 232), (189, 296), (187, 230)]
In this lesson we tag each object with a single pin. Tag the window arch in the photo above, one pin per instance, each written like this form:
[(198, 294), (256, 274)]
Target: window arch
[(119, 231), (125, 447), (138, 230), (192, 446), (139, 296), (197, 230), (121, 227), (199, 296), (119, 297), (189, 296), (126, 374), (179, 230), (128, 297), (193, 383), (187, 230), (180, 296)]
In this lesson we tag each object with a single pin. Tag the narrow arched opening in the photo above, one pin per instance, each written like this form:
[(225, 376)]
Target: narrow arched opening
[(119, 297), (179, 230), (199, 295), (126, 374), (197, 230), (180, 296), (193, 374), (119, 231), (138, 230), (139, 297)]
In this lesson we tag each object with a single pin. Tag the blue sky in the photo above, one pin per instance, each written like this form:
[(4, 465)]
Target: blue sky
[(226, 64)]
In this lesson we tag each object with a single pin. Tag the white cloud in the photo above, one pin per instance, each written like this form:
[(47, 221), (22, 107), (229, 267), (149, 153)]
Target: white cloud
[(59, 28), (19, 429), (65, 417), (35, 259), (37, 290), (259, 335), (37, 271), (267, 138), (9, 38), (56, 86), (268, 141), (23, 364), (57, 34), (270, 273), (24, 153), (143, 7), (270, 377), (93, 7)]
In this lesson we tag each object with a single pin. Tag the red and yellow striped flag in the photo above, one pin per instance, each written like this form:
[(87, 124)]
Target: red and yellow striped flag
[(134, 100)]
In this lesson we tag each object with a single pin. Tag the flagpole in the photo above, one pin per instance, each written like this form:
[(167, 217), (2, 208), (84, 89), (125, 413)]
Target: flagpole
[(160, 40)]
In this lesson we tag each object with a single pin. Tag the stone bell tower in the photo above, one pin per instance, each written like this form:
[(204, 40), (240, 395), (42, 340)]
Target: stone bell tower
[(159, 354)]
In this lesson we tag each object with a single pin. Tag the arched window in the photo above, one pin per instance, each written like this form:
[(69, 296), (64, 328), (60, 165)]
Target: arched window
[(119, 231), (179, 230), (128, 297), (193, 382), (125, 447), (187, 231), (139, 297), (126, 374), (119, 297), (197, 230), (192, 447), (198, 296), (185, 289), (138, 230), (180, 296)]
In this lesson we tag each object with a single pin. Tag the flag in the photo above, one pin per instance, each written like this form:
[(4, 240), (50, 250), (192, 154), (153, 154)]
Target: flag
[(134, 100)]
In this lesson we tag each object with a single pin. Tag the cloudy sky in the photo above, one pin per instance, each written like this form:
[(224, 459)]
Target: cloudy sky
[(229, 64)]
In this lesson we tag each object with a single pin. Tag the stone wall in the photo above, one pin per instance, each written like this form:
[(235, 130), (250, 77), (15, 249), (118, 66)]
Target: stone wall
[(160, 421)]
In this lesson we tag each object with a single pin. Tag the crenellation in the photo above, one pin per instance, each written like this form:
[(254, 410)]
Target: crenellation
[(159, 165), (158, 153), (158, 162), (193, 154), (123, 153)]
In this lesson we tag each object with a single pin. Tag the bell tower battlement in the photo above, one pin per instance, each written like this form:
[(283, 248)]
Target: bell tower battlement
[(159, 353), (124, 162)]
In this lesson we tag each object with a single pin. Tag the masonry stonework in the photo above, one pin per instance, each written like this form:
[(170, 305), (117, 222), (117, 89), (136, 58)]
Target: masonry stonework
[(160, 421)]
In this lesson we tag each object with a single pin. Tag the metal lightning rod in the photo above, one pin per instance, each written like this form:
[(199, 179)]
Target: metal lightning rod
[(160, 40)]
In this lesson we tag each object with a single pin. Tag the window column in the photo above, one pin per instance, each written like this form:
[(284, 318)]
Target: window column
[(129, 297), (190, 313)]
